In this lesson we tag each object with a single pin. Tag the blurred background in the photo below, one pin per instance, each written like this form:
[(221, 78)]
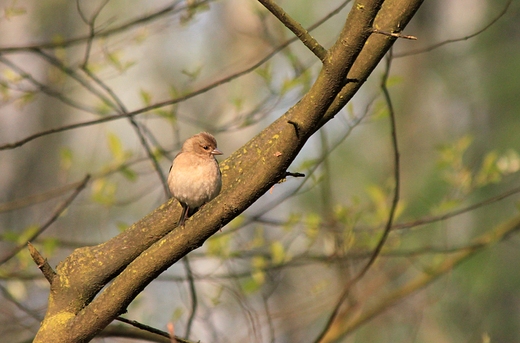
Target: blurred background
[(275, 273)]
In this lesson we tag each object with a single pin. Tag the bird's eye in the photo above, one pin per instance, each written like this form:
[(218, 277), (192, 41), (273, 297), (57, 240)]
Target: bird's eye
[(205, 147)]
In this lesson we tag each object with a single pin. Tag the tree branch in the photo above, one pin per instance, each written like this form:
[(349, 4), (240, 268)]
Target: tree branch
[(296, 28)]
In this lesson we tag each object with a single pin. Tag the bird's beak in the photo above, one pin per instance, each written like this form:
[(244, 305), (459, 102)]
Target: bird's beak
[(216, 152)]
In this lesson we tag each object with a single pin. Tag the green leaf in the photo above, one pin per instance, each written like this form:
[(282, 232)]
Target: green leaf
[(219, 245), (116, 147), (489, 171), (121, 226), (10, 236), (128, 173), (177, 314), (50, 245), (14, 11), (236, 222), (103, 191), (291, 222), (26, 98), (146, 97), (249, 285), (194, 73), (216, 300), (289, 84), (65, 158), (265, 73), (277, 253), (445, 206), (27, 233), (312, 224)]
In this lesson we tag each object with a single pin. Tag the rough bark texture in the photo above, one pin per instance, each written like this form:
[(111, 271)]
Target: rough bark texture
[(78, 307)]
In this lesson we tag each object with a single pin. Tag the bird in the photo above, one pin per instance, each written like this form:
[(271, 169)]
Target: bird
[(195, 177)]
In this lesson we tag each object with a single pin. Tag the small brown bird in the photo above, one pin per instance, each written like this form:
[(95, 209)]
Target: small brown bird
[(195, 177)]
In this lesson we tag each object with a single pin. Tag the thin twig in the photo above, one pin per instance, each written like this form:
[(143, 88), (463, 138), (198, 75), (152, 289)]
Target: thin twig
[(92, 28), (394, 34), (433, 219), (438, 45), (42, 263), (63, 206), (150, 329), (193, 295), (395, 201), (302, 34)]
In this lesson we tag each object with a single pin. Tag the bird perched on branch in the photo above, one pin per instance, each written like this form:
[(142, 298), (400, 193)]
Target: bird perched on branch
[(195, 177)]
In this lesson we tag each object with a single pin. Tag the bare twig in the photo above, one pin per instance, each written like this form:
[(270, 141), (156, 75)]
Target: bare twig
[(92, 28), (433, 219), (42, 263), (193, 295), (438, 45), (63, 206), (302, 34), (394, 34), (151, 329)]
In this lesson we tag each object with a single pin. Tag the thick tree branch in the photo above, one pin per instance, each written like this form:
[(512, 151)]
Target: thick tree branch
[(393, 17)]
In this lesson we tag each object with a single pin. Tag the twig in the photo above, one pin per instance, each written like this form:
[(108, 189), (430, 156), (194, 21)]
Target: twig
[(91, 25), (438, 45), (42, 263), (395, 201), (394, 34), (63, 206), (433, 219), (302, 34), (193, 295), (150, 329)]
